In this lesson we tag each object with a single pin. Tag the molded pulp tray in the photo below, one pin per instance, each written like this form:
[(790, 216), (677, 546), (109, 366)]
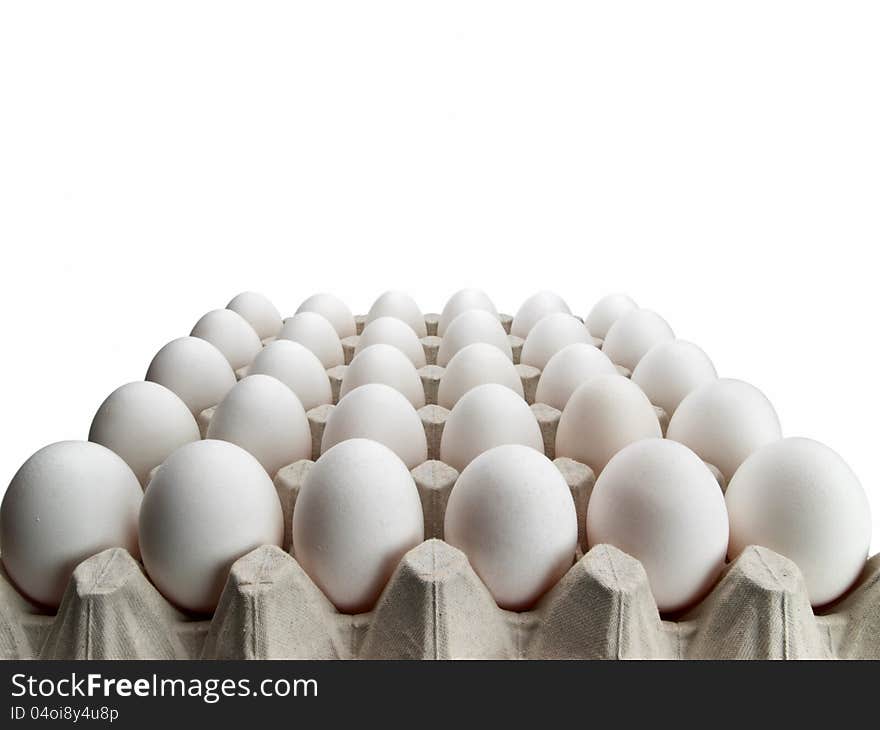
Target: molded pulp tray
[(435, 606)]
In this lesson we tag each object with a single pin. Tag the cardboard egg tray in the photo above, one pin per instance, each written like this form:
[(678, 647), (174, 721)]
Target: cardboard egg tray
[(435, 606)]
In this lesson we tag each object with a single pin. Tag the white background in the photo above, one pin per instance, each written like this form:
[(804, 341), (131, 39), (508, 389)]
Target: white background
[(720, 162)]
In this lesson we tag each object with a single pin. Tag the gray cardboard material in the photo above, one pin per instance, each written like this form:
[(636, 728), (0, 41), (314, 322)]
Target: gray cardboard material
[(431, 346), (431, 375), (336, 375), (317, 421), (516, 346), (434, 480), (348, 347), (433, 419), (529, 376), (435, 606)]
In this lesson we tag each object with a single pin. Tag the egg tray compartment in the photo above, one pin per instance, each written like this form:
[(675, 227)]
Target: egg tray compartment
[(435, 606)]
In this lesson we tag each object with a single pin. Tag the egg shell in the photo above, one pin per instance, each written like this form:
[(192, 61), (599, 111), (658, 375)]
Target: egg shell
[(534, 309), (67, 502), (549, 336), (194, 370), (334, 310), (631, 336), (265, 418), (401, 305), (378, 412), (602, 416), (567, 370), (209, 504), (388, 365), (316, 334), (799, 498), (606, 312), (472, 326), (394, 332), (259, 312), (143, 422), (474, 365), (487, 416), (463, 301), (230, 333), (357, 513), (298, 368), (671, 370), (724, 421), (657, 501), (512, 514)]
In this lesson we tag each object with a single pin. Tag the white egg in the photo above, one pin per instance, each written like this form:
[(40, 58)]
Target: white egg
[(462, 301), (230, 333), (193, 369), (474, 365), (469, 327), (723, 422), (800, 499), (208, 505), (265, 418), (333, 309), (401, 305), (534, 309), (317, 334), (358, 512), (631, 336), (568, 369), (67, 502), (298, 368), (512, 514), (143, 422), (487, 416), (388, 365), (657, 501), (378, 412), (549, 336), (606, 312), (259, 312), (394, 332), (671, 370), (602, 416)]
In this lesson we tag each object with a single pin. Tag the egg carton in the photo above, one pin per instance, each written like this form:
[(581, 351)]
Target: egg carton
[(435, 606)]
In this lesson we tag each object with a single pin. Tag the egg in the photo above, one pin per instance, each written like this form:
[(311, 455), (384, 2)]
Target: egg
[(534, 309), (474, 365), (469, 327), (334, 310), (401, 305), (358, 512), (724, 421), (317, 334), (298, 368), (512, 514), (607, 311), (194, 370), (394, 332), (143, 422), (799, 498), (658, 502), (265, 418), (259, 312), (603, 415), (631, 336), (209, 504), (378, 412), (230, 333), (549, 336), (67, 502), (671, 370), (568, 369), (487, 416), (388, 365), (463, 301)]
